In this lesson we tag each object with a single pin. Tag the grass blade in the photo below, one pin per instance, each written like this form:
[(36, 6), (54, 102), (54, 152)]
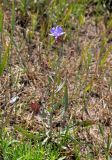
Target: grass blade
[(4, 60), (65, 98), (103, 60), (1, 20)]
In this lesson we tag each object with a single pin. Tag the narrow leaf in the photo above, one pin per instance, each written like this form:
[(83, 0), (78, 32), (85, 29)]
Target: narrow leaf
[(103, 60), (1, 20), (4, 60), (85, 123), (65, 98), (13, 19)]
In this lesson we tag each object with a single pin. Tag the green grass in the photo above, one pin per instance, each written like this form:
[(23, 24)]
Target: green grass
[(25, 150), (70, 81)]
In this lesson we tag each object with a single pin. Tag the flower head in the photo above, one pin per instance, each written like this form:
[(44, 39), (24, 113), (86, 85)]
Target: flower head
[(56, 32)]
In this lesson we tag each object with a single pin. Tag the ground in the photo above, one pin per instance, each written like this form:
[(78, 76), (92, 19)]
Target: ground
[(62, 88)]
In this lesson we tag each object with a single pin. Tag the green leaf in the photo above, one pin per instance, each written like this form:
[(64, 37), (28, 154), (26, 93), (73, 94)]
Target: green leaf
[(13, 18), (81, 19), (101, 129), (65, 98), (1, 20), (85, 123), (89, 58), (26, 133), (103, 60), (4, 60), (68, 13), (88, 87)]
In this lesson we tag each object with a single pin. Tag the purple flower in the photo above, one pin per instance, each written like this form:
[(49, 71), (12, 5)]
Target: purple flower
[(56, 32)]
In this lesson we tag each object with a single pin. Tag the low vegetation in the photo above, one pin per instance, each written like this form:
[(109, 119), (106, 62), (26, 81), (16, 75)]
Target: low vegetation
[(55, 85)]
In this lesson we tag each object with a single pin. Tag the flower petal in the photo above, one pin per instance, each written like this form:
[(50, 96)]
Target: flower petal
[(52, 30), (59, 29)]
